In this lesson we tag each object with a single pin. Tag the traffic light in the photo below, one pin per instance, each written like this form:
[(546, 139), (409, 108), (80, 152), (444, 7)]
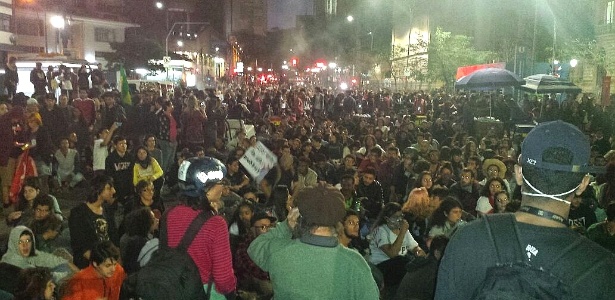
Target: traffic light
[(294, 62)]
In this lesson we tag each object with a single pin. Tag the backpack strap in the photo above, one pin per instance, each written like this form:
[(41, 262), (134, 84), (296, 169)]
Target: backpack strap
[(503, 232), (189, 235)]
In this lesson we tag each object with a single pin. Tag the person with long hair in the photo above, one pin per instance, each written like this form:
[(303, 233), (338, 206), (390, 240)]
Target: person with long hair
[(35, 283), (486, 202), (23, 213), (417, 209), (391, 244), (146, 167), (445, 219), (424, 180), (140, 227)]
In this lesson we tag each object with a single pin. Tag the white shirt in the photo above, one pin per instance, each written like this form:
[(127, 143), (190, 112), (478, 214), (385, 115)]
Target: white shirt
[(100, 154), (383, 235)]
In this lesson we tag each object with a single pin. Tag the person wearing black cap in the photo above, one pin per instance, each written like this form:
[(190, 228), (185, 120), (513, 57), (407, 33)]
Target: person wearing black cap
[(548, 260), (315, 265), (201, 191)]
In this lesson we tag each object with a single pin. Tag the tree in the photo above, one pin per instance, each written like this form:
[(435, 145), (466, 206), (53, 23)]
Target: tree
[(135, 52), (447, 52)]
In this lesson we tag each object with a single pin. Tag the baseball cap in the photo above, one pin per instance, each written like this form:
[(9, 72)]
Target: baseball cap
[(260, 216), (556, 134)]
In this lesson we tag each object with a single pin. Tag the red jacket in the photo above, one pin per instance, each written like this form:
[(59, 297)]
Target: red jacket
[(87, 285)]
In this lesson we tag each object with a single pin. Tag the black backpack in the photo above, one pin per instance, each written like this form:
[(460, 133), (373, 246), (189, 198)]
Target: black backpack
[(513, 277), (170, 273)]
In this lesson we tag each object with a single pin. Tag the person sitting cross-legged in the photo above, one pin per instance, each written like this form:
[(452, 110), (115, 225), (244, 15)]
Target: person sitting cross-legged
[(102, 279)]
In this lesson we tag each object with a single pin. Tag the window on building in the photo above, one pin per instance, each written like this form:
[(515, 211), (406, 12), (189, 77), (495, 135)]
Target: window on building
[(5, 23), (104, 35), (27, 26), (609, 12)]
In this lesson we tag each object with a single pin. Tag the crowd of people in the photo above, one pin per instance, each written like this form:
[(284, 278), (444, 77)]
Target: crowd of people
[(392, 176)]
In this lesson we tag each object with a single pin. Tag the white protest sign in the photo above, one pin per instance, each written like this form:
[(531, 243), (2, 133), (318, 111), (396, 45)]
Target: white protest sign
[(258, 160)]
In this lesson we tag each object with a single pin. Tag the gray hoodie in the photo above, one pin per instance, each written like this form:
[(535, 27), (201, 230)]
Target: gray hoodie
[(35, 259)]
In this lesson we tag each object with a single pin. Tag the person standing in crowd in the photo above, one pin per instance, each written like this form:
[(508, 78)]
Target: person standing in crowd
[(119, 166), (324, 261), (11, 78), (552, 168), (201, 190), (11, 126), (166, 131), (113, 113), (98, 77), (39, 80), (83, 76)]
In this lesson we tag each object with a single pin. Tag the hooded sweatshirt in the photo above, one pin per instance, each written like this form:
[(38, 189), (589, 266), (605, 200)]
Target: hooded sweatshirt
[(35, 259)]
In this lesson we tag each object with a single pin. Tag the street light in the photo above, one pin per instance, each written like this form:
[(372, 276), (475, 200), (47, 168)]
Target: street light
[(350, 18), (371, 45), (180, 43), (160, 5)]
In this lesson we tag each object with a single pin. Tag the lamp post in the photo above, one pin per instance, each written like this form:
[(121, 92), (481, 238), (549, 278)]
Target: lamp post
[(371, 44), (58, 23), (160, 5)]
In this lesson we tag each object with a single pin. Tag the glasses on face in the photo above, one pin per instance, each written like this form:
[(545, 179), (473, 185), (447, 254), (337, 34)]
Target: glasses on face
[(496, 186), (264, 227), (466, 177), (494, 171), (502, 200), (42, 210), (21, 242)]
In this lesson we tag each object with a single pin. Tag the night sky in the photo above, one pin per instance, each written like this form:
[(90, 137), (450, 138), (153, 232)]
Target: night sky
[(282, 13)]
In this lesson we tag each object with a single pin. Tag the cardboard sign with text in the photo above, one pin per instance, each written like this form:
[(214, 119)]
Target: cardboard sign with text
[(258, 160)]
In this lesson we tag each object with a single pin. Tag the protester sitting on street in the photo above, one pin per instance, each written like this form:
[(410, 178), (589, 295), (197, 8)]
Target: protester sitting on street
[(501, 200), (22, 253), (486, 203), (251, 278), (445, 219), (603, 233), (24, 210), (370, 189), (69, 165), (144, 197), (392, 244), (140, 225), (420, 281), (146, 167), (103, 277), (35, 283), (90, 222)]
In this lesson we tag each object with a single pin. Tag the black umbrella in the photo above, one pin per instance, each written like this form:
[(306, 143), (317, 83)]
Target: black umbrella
[(545, 84), (489, 78)]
